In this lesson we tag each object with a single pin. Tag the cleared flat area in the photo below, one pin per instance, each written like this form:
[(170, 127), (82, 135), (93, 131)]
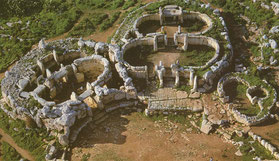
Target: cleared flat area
[(133, 137)]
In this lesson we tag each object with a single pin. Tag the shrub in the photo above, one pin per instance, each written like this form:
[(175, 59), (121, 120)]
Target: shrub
[(107, 24), (129, 4)]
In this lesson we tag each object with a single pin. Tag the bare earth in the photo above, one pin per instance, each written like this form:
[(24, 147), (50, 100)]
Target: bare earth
[(134, 137), (167, 58)]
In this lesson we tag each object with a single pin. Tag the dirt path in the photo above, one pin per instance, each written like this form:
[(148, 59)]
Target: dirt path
[(134, 137), (24, 153), (103, 36)]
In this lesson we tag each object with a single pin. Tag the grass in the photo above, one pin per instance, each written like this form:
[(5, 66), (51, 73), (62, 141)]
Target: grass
[(196, 55), (237, 92), (259, 149), (54, 18), (181, 119), (88, 25), (184, 88), (141, 56), (0, 89), (85, 157), (193, 25), (33, 103), (32, 140), (9, 153), (107, 24)]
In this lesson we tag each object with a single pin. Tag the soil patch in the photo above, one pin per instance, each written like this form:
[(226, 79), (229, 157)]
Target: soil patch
[(135, 137)]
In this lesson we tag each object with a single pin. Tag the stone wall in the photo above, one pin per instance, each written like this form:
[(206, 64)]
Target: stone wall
[(264, 113), (144, 18), (200, 40), (199, 16)]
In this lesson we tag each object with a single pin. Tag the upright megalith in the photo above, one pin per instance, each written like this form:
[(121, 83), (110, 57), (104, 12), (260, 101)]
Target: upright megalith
[(161, 16), (186, 42), (195, 86), (41, 66), (55, 56), (42, 44), (160, 71), (191, 82), (155, 43)]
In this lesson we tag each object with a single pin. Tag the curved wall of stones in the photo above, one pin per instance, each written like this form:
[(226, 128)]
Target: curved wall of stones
[(144, 18), (200, 40), (87, 66), (138, 71), (199, 16), (186, 15), (248, 120)]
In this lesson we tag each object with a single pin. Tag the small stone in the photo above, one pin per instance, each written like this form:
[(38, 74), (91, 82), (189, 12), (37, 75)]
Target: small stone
[(238, 153)]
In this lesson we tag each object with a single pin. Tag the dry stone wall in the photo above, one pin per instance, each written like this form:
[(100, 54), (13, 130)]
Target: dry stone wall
[(242, 118)]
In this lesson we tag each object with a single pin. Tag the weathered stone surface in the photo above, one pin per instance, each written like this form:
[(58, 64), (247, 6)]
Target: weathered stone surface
[(206, 127), (238, 153), (275, 7), (274, 30)]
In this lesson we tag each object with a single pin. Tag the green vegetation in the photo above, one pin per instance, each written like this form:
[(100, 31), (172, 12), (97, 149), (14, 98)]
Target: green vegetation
[(89, 25), (193, 25), (0, 89), (248, 145), (237, 92), (255, 80), (85, 157), (33, 140), (141, 58), (24, 24), (181, 119), (129, 4), (9, 153), (254, 11), (107, 24), (53, 18), (184, 88), (196, 55), (33, 103)]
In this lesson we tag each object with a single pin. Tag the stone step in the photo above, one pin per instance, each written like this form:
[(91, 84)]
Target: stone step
[(98, 115), (101, 120), (75, 130)]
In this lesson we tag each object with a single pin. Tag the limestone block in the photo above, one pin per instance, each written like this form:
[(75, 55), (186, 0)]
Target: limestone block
[(74, 96), (206, 127), (120, 95), (52, 92), (23, 83), (79, 77), (80, 42), (40, 90), (42, 44)]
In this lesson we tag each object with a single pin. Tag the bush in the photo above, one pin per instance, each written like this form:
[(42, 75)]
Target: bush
[(107, 24), (88, 25), (129, 4)]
